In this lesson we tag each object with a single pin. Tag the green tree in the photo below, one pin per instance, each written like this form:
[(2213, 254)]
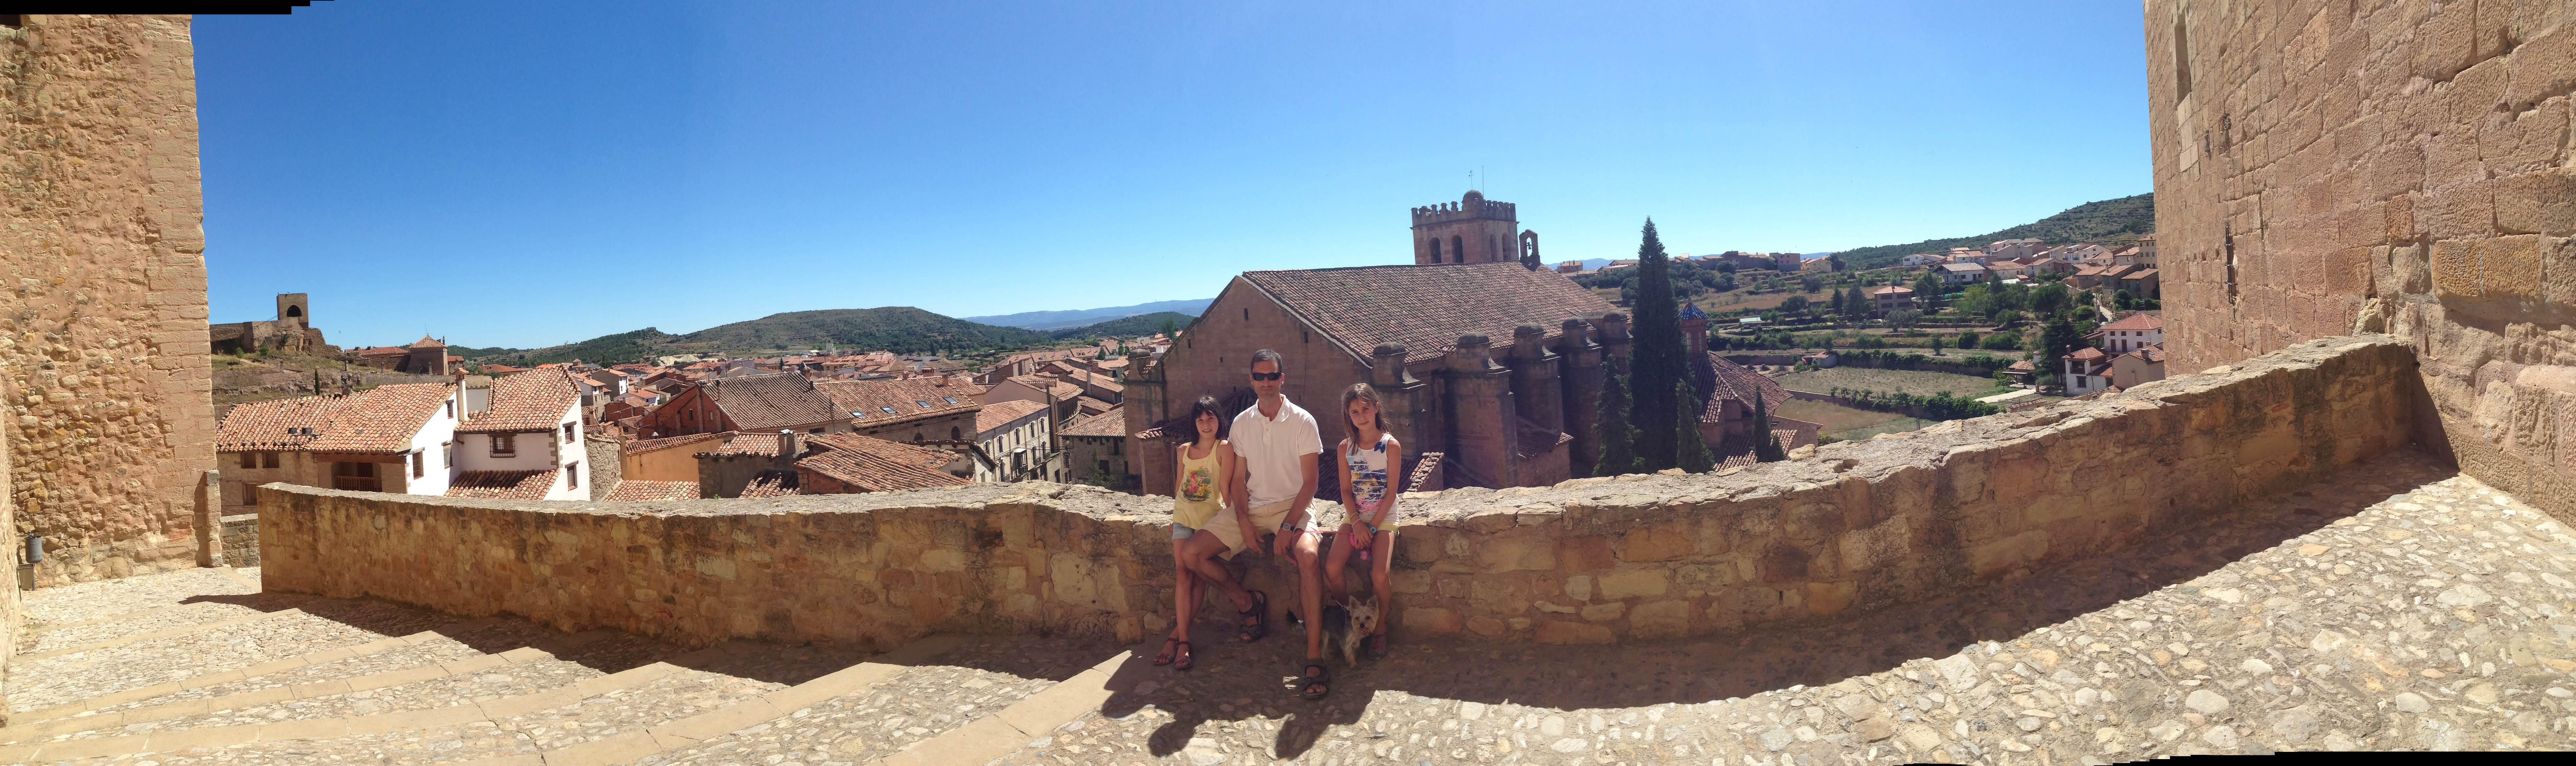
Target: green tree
[(1766, 448), (1936, 345), (1811, 282), (2055, 342), (1655, 361), (1617, 438), (1929, 286), (1968, 339), (1694, 455), (1794, 305), (2122, 300)]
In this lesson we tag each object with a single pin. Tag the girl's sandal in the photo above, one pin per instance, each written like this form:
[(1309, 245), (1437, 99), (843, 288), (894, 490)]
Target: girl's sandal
[(1316, 682), (1165, 658), (1376, 646), (1257, 618), (1184, 658)]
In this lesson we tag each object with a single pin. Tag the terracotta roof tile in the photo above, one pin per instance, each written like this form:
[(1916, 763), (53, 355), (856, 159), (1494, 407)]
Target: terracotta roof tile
[(382, 420), (656, 445), (535, 400), (1111, 423), (770, 484), (772, 402), (1001, 414), (428, 342), (384, 351), (867, 401), (2137, 321), (1728, 380), (748, 443), (502, 485), (637, 491), (871, 472), (1426, 308), (2087, 352)]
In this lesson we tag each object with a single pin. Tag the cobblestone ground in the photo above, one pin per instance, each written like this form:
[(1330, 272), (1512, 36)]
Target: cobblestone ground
[(2396, 607)]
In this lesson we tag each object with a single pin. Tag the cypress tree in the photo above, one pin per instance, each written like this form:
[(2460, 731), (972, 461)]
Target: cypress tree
[(1656, 362), (1766, 448), (1695, 456), (1617, 438)]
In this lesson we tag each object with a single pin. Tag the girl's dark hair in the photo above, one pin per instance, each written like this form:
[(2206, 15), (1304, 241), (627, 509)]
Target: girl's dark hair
[(1362, 392), (1206, 405)]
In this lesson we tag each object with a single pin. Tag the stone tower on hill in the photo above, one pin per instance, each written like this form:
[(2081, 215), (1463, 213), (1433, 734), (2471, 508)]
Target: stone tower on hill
[(1472, 230)]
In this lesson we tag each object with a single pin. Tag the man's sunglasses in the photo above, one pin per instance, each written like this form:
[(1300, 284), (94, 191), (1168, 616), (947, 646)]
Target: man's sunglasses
[(1269, 376)]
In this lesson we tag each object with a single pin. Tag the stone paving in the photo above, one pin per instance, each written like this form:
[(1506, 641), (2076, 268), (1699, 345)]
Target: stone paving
[(2394, 607)]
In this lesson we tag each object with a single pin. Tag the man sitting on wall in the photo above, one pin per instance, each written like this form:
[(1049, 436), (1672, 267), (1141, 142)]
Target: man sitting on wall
[(1276, 444)]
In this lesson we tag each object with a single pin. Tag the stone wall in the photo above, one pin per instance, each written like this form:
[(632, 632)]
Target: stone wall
[(2326, 166), (241, 540), (607, 464), (104, 343), (1858, 525)]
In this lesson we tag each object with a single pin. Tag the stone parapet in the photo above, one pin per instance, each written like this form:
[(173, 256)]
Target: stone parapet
[(1857, 526)]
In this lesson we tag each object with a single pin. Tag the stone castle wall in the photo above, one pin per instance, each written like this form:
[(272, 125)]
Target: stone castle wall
[(103, 335), (2324, 167), (1859, 525)]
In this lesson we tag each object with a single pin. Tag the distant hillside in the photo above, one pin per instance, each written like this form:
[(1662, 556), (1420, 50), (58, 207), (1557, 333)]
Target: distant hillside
[(623, 347), (2114, 221), (900, 329), (1129, 327), (1061, 320)]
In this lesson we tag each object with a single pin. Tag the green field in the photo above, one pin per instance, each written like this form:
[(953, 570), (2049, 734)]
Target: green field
[(1834, 417), (1917, 382)]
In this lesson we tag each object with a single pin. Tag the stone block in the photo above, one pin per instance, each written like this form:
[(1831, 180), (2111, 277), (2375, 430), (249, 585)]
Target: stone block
[(2542, 67), (1421, 543), (1824, 598), (2509, 267), (1563, 632), (1660, 619), (1514, 552), (1493, 594), (1486, 626), (1661, 542), (1587, 553), (2537, 202), (1641, 581), (1579, 587), (2455, 271), (1431, 621), (1410, 581), (2000, 557), (1605, 612), (1781, 563)]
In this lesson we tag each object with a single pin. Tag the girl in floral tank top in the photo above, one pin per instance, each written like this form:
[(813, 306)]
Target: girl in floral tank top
[(1371, 460)]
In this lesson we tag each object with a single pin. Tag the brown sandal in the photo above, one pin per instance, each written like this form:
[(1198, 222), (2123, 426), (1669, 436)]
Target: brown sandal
[(1258, 617), (1185, 657), (1165, 658)]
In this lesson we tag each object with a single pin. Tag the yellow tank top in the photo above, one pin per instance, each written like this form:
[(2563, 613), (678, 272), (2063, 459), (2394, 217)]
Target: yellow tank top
[(1198, 502)]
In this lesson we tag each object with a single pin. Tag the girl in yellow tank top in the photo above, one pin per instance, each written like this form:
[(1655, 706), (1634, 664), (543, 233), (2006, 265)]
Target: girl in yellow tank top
[(1206, 470)]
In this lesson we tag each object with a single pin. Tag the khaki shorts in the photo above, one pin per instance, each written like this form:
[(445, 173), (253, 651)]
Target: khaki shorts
[(1264, 519)]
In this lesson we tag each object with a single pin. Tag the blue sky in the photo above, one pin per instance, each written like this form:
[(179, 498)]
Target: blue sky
[(527, 174)]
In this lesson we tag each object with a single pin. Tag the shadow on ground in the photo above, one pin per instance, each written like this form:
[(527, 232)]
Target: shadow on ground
[(1234, 682)]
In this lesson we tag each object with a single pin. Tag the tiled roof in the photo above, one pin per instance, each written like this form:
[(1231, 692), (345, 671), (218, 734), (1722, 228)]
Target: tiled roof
[(907, 454), (771, 402), (870, 471), (2139, 274), (1088, 405), (657, 445), (2137, 321), (501, 369), (1729, 380), (1426, 308), (770, 484), (2086, 353), (637, 491), (535, 400), (382, 419), (1048, 383), (867, 401), (1111, 423), (748, 443), (1963, 267), (277, 424), (1001, 414), (427, 342), (384, 351), (1893, 291), (2023, 365), (2154, 354), (502, 485)]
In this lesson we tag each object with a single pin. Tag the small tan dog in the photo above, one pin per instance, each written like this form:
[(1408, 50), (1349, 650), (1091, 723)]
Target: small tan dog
[(1350, 625)]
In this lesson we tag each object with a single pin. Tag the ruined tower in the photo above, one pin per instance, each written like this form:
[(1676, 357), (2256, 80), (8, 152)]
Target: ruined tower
[(294, 309), (1471, 230)]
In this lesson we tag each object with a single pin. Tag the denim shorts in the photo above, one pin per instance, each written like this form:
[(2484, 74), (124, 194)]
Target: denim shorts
[(1182, 533)]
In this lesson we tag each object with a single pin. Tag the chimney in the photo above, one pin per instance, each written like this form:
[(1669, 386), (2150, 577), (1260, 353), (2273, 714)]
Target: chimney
[(788, 450)]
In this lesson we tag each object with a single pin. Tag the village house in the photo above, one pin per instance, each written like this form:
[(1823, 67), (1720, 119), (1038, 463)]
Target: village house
[(753, 403), (1963, 273), (1095, 448), (1922, 259), (2086, 371), (916, 410), (2141, 365), (1064, 397), (1016, 436), (2142, 282), (386, 439), (2014, 248), (529, 446), (671, 458), (2132, 332), (1887, 299)]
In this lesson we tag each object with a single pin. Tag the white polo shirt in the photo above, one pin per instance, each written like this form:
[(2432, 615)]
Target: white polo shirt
[(1275, 450)]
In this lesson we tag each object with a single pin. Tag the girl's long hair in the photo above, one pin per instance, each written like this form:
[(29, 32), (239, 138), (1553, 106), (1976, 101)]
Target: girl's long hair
[(1207, 405), (1361, 392)]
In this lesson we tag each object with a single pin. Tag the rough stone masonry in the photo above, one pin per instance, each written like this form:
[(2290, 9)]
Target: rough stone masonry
[(2331, 166)]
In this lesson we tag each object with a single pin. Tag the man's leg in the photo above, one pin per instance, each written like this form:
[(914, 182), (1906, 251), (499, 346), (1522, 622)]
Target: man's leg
[(1310, 593)]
